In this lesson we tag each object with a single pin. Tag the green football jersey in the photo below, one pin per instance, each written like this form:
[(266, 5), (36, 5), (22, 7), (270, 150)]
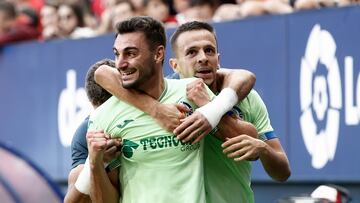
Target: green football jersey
[(227, 181), (156, 167)]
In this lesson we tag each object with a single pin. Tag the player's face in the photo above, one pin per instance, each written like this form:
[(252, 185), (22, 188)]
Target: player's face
[(134, 60), (196, 55)]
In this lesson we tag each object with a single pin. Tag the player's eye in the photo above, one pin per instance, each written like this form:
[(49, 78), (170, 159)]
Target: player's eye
[(191, 52), (210, 51)]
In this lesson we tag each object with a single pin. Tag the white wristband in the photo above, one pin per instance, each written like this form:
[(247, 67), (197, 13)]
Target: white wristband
[(214, 110), (82, 183)]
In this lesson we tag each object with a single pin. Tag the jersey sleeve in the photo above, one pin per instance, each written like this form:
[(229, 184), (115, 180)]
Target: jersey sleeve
[(79, 150), (261, 118)]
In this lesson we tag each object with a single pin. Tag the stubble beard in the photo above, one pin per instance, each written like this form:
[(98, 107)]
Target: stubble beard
[(144, 76)]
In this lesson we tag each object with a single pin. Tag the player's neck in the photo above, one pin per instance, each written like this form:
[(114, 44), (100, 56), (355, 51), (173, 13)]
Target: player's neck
[(155, 86)]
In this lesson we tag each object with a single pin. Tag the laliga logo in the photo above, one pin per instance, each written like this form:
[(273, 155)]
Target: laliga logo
[(314, 89), (73, 107), (322, 94)]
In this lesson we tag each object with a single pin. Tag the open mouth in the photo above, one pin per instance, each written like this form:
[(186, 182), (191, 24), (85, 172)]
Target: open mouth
[(203, 73), (128, 72)]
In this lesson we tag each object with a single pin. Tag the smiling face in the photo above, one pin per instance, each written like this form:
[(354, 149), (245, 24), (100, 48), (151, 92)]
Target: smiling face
[(196, 55), (134, 60)]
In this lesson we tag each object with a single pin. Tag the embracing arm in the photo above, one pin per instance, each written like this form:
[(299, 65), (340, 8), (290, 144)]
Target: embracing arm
[(73, 195), (233, 85), (275, 161), (270, 152), (231, 126), (196, 126), (167, 115), (101, 187), (240, 80), (109, 78), (268, 148)]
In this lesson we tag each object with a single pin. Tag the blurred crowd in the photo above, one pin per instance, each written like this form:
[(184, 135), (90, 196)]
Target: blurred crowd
[(22, 20)]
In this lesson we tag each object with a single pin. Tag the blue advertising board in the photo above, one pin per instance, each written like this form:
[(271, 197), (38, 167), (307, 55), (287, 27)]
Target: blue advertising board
[(307, 68)]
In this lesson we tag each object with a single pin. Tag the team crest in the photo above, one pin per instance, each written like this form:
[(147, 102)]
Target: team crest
[(188, 106), (235, 111)]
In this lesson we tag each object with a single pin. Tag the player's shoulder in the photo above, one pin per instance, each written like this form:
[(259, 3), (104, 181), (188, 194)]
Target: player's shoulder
[(179, 82), (252, 98), (182, 80), (253, 95), (108, 105)]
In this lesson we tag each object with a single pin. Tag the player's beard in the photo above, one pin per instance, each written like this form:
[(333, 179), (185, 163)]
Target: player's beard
[(145, 73)]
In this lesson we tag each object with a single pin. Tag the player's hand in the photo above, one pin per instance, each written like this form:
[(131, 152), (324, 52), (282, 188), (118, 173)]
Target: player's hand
[(196, 92), (243, 147), (168, 116), (193, 128), (97, 143), (113, 149)]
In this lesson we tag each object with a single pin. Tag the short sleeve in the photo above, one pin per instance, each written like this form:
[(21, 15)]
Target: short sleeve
[(79, 150)]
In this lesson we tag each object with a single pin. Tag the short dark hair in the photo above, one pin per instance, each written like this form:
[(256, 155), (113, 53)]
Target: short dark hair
[(189, 26), (153, 30), (96, 94)]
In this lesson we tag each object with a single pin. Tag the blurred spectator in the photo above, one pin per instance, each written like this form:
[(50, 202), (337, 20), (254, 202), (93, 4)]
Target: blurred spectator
[(7, 17), (139, 7), (227, 12), (313, 4), (17, 27), (86, 10), (49, 20), (180, 6), (159, 10), (318, 4), (34, 4), (201, 10), (121, 10), (28, 16), (262, 7), (71, 22)]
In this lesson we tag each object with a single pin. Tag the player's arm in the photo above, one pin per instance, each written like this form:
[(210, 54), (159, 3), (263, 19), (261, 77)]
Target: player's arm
[(73, 195), (270, 152), (101, 187), (196, 126), (79, 154), (268, 147), (233, 85), (167, 115), (240, 80), (275, 161)]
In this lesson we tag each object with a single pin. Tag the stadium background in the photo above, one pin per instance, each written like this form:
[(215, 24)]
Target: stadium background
[(43, 100)]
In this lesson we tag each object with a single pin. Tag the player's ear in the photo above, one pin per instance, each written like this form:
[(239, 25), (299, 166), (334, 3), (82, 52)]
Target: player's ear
[(218, 56), (174, 64), (159, 54)]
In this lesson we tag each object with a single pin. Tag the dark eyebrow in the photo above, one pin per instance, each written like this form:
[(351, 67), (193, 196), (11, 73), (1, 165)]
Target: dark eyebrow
[(130, 48), (126, 49), (210, 46), (190, 48)]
